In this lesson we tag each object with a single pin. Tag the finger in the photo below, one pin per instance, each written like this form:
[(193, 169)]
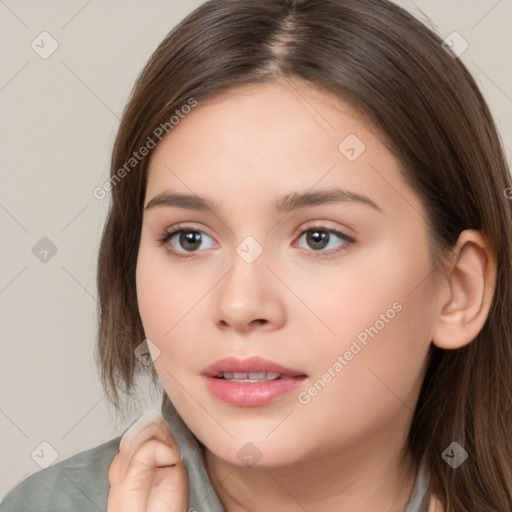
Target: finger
[(150, 456), (138, 466), (150, 426), (169, 490), (151, 481), (150, 417), (147, 475)]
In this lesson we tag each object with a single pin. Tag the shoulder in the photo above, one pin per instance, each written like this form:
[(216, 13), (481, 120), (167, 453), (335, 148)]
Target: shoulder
[(79, 482)]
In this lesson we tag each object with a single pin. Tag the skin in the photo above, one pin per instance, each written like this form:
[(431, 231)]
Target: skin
[(342, 450), (147, 474)]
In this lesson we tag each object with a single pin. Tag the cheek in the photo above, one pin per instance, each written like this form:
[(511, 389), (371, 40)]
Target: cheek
[(160, 300), (383, 287), (150, 282), (169, 306), (380, 318), (379, 376)]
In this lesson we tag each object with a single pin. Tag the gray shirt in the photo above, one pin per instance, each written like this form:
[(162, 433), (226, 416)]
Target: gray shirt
[(80, 483)]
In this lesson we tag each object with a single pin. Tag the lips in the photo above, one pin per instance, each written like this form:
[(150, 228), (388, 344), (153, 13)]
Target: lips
[(252, 365), (251, 382)]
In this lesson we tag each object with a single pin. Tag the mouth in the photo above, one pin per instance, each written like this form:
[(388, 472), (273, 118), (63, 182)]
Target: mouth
[(253, 368), (250, 382), (251, 377)]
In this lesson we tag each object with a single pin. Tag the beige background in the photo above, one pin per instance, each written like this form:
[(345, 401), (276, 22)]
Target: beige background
[(59, 117)]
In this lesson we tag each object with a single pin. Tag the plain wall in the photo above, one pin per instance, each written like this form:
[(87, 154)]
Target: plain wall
[(59, 116)]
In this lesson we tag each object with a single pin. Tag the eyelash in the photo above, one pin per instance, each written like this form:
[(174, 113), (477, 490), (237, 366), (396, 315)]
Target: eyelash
[(169, 234)]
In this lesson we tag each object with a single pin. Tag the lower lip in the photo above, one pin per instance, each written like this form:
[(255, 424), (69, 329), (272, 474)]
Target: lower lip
[(252, 394)]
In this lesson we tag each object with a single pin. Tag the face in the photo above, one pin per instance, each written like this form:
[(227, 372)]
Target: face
[(338, 289)]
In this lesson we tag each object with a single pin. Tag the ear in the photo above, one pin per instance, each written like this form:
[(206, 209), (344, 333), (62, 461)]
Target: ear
[(468, 292)]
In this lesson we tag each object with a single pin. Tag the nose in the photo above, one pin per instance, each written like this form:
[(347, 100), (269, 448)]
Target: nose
[(249, 297)]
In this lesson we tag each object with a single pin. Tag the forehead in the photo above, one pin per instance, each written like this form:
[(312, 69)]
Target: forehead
[(252, 142)]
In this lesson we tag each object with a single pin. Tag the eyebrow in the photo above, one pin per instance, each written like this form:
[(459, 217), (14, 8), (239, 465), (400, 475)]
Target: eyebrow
[(285, 203)]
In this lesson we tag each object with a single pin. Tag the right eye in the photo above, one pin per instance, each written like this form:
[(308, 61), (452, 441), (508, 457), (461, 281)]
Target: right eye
[(190, 239)]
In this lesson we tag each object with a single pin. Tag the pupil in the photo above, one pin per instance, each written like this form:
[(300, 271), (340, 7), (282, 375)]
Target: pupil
[(318, 237)]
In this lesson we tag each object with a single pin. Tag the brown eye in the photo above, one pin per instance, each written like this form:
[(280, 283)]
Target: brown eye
[(190, 240), (182, 240), (319, 238)]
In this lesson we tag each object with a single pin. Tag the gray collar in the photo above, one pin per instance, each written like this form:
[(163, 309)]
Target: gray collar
[(201, 494)]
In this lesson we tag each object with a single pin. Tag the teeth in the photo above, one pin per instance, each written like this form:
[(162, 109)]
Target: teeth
[(248, 377)]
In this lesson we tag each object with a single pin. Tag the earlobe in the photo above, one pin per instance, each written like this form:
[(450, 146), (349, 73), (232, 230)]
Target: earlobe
[(470, 290)]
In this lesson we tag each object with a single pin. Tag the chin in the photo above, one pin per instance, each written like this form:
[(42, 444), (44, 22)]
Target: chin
[(257, 454)]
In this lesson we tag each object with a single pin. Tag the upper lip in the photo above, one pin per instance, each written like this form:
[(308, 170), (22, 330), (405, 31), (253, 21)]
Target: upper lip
[(253, 364)]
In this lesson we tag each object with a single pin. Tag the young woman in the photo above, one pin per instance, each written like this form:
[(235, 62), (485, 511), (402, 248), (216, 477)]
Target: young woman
[(309, 236)]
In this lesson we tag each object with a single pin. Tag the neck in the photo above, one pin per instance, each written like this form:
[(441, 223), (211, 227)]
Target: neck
[(345, 482)]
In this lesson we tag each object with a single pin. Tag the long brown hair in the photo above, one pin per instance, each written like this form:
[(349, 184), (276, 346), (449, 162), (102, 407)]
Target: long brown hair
[(428, 107)]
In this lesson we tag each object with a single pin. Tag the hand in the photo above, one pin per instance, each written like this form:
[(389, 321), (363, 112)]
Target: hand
[(147, 475)]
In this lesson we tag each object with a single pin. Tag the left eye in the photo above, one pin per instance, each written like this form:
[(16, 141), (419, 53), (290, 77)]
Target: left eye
[(319, 238)]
